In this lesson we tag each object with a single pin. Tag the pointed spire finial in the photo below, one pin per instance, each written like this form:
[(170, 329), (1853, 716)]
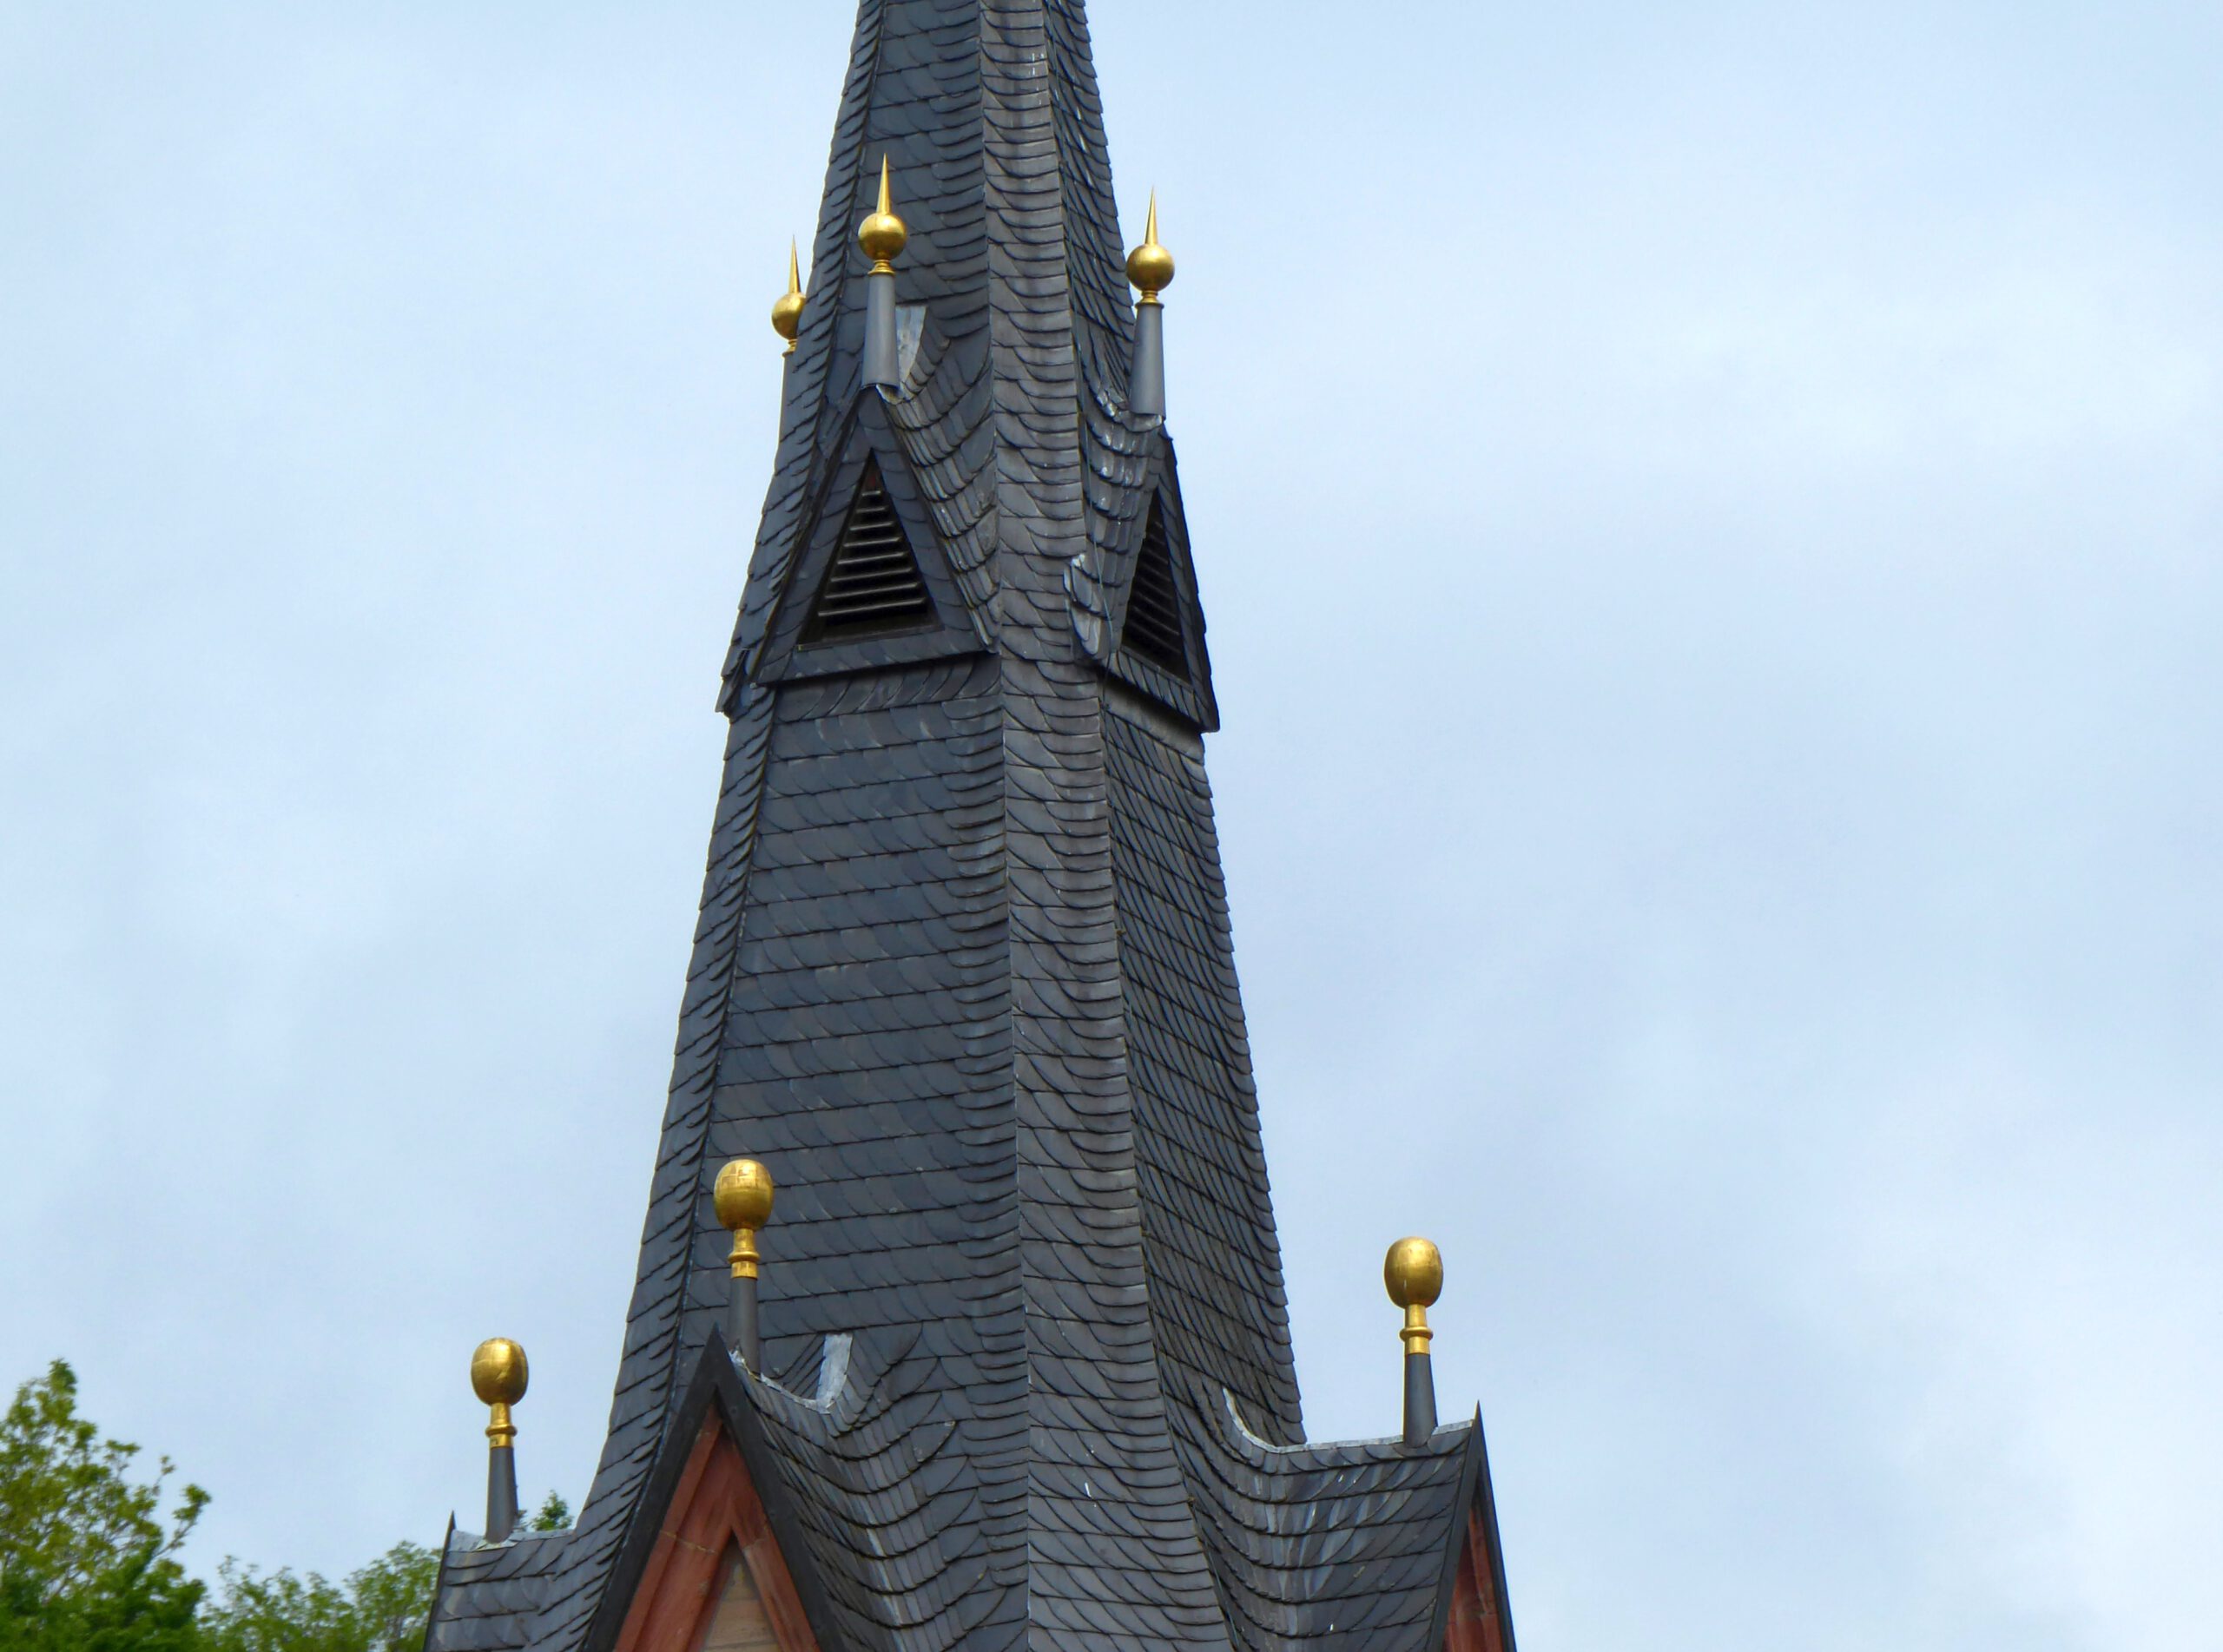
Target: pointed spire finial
[(1149, 266), (882, 234), (787, 309)]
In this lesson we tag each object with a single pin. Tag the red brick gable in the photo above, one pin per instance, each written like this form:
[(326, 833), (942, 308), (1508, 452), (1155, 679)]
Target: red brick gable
[(715, 1573), (1476, 1623)]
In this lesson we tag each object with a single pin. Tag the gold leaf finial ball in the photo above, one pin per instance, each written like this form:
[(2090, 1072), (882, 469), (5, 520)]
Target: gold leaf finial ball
[(498, 1373), (743, 1195), (1414, 1273), (1150, 267), (787, 315), (882, 235)]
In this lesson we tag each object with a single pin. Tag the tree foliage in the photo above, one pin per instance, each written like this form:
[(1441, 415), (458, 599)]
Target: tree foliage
[(86, 1556), (379, 1608), (89, 1556)]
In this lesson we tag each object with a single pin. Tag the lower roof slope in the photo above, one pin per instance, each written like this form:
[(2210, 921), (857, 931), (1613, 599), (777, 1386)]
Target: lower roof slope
[(1333, 1548)]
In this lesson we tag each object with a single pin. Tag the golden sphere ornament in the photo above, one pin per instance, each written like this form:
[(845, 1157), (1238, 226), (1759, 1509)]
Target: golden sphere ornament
[(1413, 1271), (743, 1195), (1149, 266), (498, 1372), (787, 309), (882, 234)]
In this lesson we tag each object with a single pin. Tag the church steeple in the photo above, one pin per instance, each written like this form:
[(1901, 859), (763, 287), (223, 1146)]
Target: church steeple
[(964, 983)]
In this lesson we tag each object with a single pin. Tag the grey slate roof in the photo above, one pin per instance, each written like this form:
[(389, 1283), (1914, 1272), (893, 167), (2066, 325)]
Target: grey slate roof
[(489, 1593), (963, 979), (1350, 1545)]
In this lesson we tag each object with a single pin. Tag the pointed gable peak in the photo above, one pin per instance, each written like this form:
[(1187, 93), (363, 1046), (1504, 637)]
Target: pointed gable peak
[(714, 1561)]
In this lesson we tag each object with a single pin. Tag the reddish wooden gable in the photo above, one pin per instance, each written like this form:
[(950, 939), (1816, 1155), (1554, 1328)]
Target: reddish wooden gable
[(716, 1581), (1476, 1623)]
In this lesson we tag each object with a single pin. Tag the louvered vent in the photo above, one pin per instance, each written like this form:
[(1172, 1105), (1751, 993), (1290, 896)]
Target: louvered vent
[(1153, 629), (874, 586)]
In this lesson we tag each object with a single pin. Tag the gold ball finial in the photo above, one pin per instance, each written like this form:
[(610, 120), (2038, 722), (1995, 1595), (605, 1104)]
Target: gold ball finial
[(744, 1194), (787, 309), (498, 1372), (1413, 1271), (882, 234), (1149, 266), (743, 1198), (498, 1377)]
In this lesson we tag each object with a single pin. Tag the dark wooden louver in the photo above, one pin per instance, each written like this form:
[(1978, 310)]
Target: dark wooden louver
[(1153, 629), (872, 586)]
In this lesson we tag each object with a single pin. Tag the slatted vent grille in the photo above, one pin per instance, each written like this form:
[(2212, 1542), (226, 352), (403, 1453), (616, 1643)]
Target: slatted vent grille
[(874, 587), (1153, 629)]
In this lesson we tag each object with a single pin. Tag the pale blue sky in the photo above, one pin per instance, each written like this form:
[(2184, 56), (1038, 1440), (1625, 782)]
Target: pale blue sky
[(1710, 519)]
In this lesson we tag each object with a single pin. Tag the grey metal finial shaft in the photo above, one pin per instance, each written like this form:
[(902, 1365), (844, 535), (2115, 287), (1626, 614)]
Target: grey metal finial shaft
[(741, 1322), (1146, 386), (882, 365), (501, 1492), (1420, 1397)]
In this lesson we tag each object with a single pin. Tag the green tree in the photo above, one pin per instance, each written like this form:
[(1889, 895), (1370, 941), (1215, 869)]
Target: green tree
[(86, 1557), (379, 1609)]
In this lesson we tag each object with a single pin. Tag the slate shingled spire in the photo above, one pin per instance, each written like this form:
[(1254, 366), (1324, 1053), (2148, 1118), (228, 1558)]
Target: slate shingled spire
[(963, 981)]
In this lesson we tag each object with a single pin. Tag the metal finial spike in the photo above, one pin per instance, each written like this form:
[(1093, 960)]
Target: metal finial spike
[(787, 309), (1149, 266), (882, 233)]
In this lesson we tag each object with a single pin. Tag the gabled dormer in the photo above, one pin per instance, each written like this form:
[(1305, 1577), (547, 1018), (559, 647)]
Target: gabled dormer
[(870, 583), (713, 1559), (1133, 591)]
